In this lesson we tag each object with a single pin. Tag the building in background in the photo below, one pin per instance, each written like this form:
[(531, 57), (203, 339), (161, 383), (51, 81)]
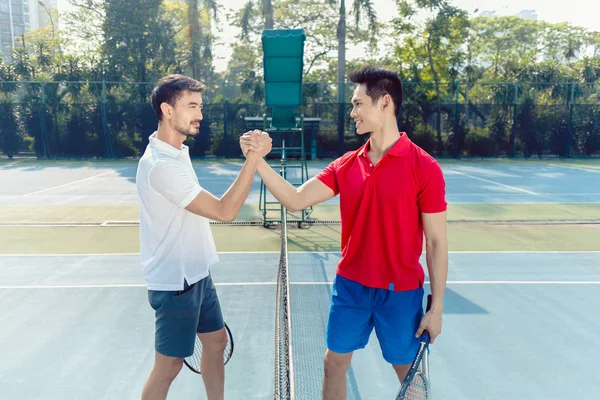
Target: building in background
[(20, 16), (528, 14), (525, 14)]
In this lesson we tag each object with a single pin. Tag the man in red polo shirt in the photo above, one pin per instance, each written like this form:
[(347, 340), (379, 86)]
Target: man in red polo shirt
[(391, 193)]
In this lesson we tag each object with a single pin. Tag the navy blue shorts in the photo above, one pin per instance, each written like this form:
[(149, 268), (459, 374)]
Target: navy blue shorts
[(182, 314), (357, 309)]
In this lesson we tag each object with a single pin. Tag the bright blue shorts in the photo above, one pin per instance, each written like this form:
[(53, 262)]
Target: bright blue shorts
[(357, 309)]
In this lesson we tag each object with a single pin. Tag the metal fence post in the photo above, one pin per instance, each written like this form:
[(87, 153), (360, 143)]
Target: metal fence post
[(455, 148), (45, 141), (107, 138), (570, 130), (225, 146), (513, 149)]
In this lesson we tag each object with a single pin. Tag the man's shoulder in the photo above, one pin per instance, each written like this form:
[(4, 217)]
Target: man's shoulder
[(152, 167), (345, 158), (422, 157)]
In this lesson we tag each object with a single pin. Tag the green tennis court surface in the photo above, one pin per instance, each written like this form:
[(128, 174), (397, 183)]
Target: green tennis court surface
[(523, 289)]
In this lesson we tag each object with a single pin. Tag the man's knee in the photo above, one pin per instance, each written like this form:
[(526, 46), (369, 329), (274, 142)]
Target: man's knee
[(401, 370), (167, 368), (336, 364), (214, 342)]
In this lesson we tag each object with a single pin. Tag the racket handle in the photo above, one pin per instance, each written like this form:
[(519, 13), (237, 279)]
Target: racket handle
[(425, 334)]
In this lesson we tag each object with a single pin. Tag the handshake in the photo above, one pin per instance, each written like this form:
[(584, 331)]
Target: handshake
[(255, 143)]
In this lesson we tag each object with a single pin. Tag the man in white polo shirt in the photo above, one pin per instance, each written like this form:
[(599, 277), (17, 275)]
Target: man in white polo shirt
[(176, 243)]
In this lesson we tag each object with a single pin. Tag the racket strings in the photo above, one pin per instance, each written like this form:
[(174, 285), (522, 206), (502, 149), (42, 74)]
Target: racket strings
[(417, 390), (195, 359)]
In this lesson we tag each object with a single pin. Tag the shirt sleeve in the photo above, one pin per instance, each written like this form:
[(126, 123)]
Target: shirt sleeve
[(174, 183), (328, 176), (432, 195)]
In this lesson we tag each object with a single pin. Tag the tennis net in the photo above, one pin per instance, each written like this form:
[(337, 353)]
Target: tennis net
[(284, 375)]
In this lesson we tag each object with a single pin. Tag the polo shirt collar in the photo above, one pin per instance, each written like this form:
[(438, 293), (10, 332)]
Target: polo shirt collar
[(399, 149), (165, 148)]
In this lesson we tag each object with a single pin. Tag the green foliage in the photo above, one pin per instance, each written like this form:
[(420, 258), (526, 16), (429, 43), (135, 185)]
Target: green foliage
[(552, 109), (133, 40), (479, 143), (10, 133), (424, 137)]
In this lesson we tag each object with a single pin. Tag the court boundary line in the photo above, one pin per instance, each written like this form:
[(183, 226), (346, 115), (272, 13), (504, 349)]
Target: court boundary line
[(10, 164), (135, 225), (299, 283), (72, 182), (521, 202), (575, 167), (487, 282), (518, 194), (310, 252), (495, 183)]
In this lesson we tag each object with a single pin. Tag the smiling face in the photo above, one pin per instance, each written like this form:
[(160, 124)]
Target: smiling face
[(187, 113), (367, 115)]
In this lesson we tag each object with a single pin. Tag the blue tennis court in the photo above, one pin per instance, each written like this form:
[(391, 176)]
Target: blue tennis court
[(114, 183), (517, 325)]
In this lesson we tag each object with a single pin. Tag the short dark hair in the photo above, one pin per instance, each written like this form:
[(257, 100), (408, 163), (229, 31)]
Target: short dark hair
[(379, 82), (170, 89)]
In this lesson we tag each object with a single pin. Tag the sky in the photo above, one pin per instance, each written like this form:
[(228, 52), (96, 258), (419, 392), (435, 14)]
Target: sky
[(578, 12)]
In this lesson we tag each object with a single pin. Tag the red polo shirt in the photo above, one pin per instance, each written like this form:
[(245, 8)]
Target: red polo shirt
[(380, 213)]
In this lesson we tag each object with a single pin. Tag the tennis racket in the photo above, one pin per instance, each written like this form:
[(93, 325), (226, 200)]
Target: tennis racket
[(193, 361), (415, 385)]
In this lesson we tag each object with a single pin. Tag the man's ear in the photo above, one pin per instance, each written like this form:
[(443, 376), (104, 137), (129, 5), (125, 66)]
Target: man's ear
[(166, 109), (386, 102)]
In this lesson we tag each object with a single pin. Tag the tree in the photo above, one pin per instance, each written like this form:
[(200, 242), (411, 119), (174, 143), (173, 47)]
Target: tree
[(249, 12), (137, 45), (439, 39), (358, 7), (198, 36)]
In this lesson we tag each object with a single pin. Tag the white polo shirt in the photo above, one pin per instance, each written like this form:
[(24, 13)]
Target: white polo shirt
[(175, 244)]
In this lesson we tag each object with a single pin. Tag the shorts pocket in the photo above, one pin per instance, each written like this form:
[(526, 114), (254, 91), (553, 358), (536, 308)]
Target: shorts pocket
[(180, 293), (157, 298)]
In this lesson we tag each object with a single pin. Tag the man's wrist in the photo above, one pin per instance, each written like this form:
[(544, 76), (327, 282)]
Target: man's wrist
[(262, 164), (253, 158)]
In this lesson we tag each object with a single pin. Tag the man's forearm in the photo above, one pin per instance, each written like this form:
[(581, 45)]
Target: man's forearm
[(437, 264), (236, 195), (281, 189)]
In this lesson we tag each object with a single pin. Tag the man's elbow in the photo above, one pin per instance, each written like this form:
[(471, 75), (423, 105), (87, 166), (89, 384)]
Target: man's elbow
[(292, 208), (228, 216), (225, 218), (436, 243), (294, 205)]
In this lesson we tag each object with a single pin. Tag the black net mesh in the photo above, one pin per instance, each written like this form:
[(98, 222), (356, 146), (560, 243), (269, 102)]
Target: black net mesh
[(284, 384)]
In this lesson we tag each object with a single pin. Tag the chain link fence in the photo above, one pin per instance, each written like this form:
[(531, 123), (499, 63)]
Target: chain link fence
[(456, 119)]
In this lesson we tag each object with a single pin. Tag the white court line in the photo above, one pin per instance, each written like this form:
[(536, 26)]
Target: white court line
[(314, 252), (70, 183), (515, 282), (518, 194), (544, 202), (495, 183), (121, 285), (72, 255), (583, 168), (137, 254), (139, 285)]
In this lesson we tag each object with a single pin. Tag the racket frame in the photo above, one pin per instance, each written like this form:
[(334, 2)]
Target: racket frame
[(231, 345), (421, 360)]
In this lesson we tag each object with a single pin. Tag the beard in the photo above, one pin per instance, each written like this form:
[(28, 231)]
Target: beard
[(190, 131)]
